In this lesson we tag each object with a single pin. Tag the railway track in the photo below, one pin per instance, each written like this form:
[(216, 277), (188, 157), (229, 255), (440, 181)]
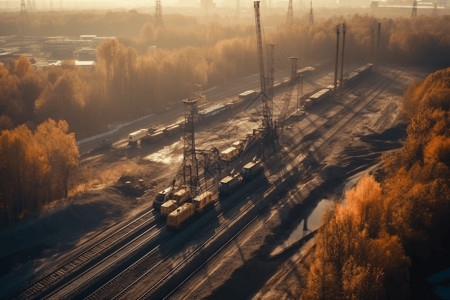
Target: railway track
[(73, 265), (152, 269), (85, 257), (338, 121), (108, 265)]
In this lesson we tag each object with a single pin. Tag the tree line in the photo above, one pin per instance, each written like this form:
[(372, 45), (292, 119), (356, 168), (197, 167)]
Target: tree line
[(132, 79), (390, 235)]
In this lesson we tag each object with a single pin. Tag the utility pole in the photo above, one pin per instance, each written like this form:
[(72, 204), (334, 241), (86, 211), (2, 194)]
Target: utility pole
[(414, 9), (344, 31), (294, 67), (290, 14), (372, 45), (337, 60), (299, 92), (190, 165), (377, 56), (270, 63), (311, 15), (158, 14)]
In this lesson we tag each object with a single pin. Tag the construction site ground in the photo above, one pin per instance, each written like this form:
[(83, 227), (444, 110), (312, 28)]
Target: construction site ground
[(122, 182)]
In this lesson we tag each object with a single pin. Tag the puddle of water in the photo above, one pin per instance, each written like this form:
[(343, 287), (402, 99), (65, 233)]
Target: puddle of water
[(312, 222), (166, 155)]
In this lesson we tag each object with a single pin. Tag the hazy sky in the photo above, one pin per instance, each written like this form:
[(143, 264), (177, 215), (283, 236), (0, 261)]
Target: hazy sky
[(110, 4)]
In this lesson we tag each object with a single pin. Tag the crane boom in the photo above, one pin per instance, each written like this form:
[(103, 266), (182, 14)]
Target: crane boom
[(262, 74), (285, 101), (269, 134)]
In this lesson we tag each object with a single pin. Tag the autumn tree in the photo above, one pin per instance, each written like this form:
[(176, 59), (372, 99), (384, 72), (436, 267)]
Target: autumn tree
[(355, 256), (62, 153), (419, 172), (20, 86), (365, 247), (35, 168)]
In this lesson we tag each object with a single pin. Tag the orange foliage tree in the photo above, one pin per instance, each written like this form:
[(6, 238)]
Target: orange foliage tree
[(364, 248), (35, 167)]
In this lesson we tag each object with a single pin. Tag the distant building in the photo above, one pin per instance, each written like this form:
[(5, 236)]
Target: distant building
[(78, 63), (63, 48)]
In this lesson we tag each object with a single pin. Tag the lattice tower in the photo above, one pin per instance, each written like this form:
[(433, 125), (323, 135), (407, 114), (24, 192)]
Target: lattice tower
[(158, 14), (311, 14), (190, 165), (23, 8), (414, 9), (267, 113), (290, 14)]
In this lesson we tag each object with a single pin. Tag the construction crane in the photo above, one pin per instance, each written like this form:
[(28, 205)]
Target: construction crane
[(269, 133)]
